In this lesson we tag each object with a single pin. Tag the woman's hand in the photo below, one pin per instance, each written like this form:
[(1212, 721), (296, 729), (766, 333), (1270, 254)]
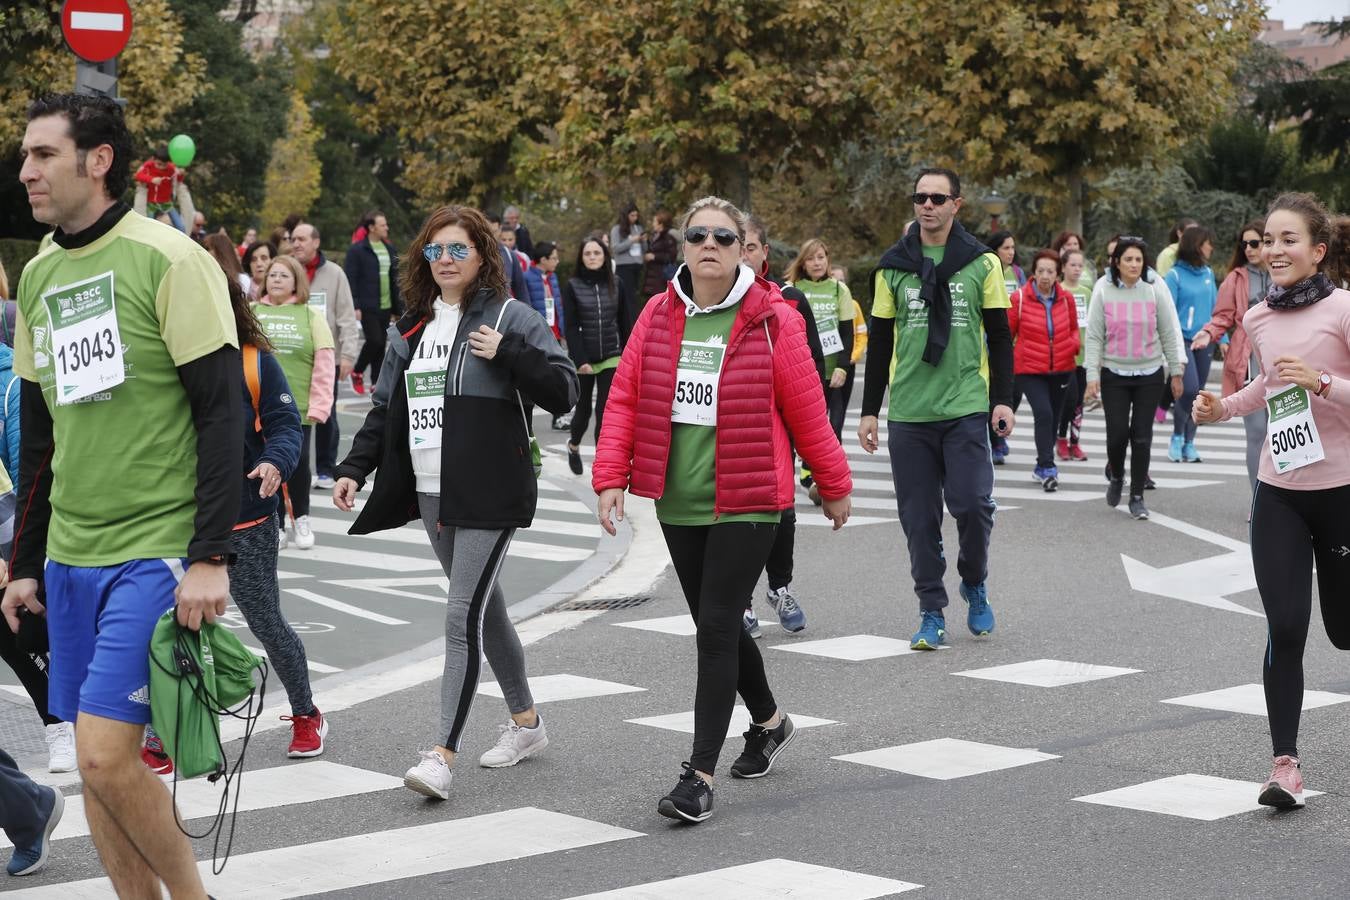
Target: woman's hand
[(1177, 386), (585, 369), (344, 494), (611, 499), (649, 257), (1296, 371), (1093, 390), (483, 343), (838, 511), (269, 479), (1201, 341), (837, 378), (1206, 410)]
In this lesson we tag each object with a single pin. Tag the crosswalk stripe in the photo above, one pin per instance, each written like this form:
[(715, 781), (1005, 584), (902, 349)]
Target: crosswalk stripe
[(290, 785), (764, 880), (380, 857), (364, 559), (310, 663), (341, 607), (416, 535)]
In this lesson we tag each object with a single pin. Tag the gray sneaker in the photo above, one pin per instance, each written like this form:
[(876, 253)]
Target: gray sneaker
[(790, 615), (514, 744), (750, 622)]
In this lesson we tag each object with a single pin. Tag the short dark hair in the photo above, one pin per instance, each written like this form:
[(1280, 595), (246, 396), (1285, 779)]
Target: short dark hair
[(952, 178), (370, 216), (755, 225), (247, 261), (997, 238), (92, 122), (493, 219), (291, 221), (1188, 250), (543, 250)]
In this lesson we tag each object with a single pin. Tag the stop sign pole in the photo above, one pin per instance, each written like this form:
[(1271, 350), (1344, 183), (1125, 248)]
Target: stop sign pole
[(96, 31)]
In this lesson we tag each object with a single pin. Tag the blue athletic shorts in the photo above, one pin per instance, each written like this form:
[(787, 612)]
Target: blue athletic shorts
[(100, 621)]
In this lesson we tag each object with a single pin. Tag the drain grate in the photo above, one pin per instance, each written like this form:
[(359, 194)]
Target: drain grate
[(606, 603)]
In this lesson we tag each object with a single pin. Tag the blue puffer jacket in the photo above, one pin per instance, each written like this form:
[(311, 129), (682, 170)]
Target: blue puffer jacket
[(1194, 291), (279, 441), (534, 279), (9, 423)]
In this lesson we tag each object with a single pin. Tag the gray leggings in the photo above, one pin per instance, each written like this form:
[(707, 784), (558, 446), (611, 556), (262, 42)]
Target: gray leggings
[(253, 588), (476, 621)]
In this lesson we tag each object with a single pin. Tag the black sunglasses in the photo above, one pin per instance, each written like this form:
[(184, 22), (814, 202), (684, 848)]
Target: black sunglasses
[(698, 234), (938, 199), (1253, 244)]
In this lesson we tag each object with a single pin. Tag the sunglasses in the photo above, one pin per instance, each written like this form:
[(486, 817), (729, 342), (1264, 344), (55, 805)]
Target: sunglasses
[(938, 199), (432, 252), (698, 234), (1253, 244)]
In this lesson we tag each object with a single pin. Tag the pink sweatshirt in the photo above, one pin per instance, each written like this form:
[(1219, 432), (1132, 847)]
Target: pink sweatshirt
[(1320, 336)]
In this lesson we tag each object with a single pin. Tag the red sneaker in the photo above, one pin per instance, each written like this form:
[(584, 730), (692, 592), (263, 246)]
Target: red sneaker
[(358, 383), (307, 734), (1076, 452), (154, 757), (1062, 448)]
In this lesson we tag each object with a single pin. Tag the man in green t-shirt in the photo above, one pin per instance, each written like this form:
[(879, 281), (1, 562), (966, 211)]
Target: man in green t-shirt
[(939, 340), (131, 453)]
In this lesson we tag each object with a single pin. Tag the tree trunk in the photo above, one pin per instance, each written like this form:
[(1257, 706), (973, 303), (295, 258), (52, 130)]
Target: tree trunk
[(496, 169), (1073, 208), (731, 181)]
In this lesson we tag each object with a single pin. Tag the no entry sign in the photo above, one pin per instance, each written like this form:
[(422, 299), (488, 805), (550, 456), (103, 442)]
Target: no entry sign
[(96, 30)]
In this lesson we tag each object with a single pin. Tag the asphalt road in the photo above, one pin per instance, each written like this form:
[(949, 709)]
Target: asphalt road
[(1047, 790)]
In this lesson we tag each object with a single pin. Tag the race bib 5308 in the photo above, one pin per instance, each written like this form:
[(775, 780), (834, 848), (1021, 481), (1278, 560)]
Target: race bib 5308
[(696, 381)]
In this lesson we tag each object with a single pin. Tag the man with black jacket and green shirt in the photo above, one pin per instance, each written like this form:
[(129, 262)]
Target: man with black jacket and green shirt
[(129, 468), (940, 341)]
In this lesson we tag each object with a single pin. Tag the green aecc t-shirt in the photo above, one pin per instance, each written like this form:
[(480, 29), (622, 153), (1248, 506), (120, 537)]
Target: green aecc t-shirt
[(124, 467)]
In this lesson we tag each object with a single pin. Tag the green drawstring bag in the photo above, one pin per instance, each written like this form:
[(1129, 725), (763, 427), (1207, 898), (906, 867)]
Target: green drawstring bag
[(195, 677)]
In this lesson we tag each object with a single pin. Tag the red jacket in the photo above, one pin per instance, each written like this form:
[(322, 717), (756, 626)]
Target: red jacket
[(1035, 353), (1229, 311), (768, 388), (149, 171)]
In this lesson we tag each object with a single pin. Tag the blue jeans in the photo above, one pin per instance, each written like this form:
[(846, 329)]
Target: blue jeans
[(1192, 381)]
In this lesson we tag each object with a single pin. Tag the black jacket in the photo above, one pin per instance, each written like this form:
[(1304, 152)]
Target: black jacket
[(363, 274), (487, 473), (279, 441), (598, 315)]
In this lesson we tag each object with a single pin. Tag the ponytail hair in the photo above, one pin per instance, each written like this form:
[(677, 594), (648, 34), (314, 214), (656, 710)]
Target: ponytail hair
[(1323, 228)]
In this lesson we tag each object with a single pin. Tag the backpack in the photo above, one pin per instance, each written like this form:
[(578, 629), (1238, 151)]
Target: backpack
[(252, 378)]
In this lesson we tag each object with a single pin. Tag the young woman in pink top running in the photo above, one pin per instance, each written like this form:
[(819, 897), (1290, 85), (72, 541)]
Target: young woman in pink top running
[(1301, 335)]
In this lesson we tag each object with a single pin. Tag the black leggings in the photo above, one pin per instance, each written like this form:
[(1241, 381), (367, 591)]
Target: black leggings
[(297, 488), (1128, 402), (599, 384), (1290, 531), (1071, 414), (31, 669), (718, 566), (374, 324), (1045, 395)]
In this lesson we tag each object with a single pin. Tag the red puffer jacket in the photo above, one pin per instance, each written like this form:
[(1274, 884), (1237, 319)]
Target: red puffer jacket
[(768, 388), (1034, 353)]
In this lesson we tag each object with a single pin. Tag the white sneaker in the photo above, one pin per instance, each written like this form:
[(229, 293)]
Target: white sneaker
[(324, 483), (514, 744), (61, 748), (304, 537), (281, 539), (430, 777)]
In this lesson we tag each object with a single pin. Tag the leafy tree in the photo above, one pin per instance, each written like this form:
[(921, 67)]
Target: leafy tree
[(707, 96), (458, 81), (1053, 93), (293, 177), (1241, 155)]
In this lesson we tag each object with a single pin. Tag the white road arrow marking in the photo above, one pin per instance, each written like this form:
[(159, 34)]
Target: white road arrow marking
[(1205, 582)]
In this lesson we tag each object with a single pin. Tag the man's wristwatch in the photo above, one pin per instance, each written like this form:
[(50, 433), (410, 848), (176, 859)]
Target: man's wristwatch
[(1323, 384)]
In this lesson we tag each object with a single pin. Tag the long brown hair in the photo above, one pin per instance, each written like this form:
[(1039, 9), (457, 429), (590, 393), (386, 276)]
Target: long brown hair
[(219, 245), (797, 271), (419, 290), (1239, 250), (245, 323)]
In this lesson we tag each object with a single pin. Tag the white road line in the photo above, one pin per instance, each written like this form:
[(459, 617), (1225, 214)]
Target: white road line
[(341, 607), (351, 862), (416, 535), (764, 880), (572, 506), (321, 668), (291, 785), (363, 559)]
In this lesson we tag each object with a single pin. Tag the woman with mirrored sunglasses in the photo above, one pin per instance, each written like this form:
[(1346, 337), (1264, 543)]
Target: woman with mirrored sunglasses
[(597, 318), (715, 388), (449, 441)]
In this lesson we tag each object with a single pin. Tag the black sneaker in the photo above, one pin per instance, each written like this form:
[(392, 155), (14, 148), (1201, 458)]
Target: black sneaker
[(1137, 507), (691, 799), (1150, 484), (574, 460), (762, 746), (1113, 489)]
